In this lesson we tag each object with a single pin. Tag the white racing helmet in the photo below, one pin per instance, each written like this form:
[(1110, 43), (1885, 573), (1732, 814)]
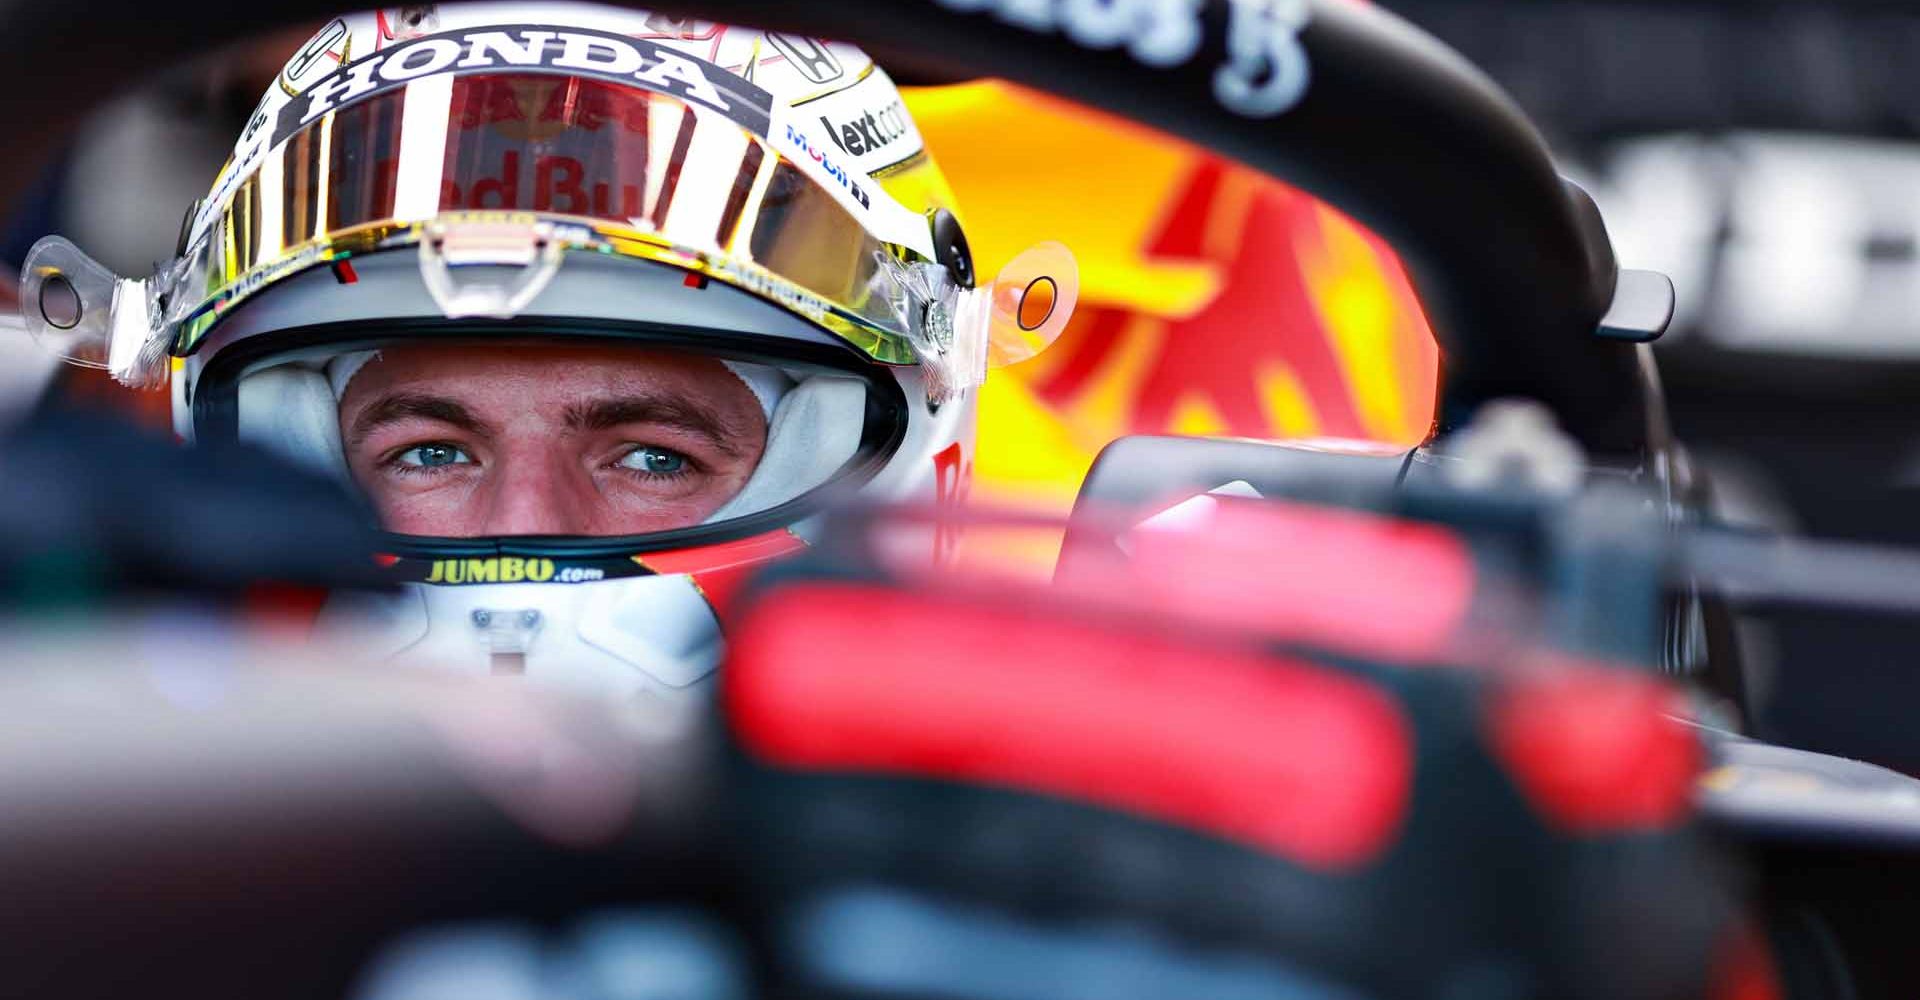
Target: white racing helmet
[(636, 219)]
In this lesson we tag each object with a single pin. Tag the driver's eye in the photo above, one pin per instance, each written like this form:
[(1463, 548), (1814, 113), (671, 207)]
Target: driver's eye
[(433, 456), (658, 461)]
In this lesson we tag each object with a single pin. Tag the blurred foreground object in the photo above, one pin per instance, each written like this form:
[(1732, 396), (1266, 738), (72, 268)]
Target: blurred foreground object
[(1010, 790), (1099, 790), (1132, 787), (203, 817), (94, 511), (1425, 565)]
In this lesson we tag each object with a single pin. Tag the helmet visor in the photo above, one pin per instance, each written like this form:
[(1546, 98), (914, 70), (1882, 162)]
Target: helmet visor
[(623, 169), (579, 440)]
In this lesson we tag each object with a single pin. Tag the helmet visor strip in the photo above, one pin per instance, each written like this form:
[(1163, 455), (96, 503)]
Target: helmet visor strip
[(636, 172)]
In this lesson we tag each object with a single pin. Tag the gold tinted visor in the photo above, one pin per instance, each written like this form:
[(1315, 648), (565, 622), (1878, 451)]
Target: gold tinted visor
[(616, 169)]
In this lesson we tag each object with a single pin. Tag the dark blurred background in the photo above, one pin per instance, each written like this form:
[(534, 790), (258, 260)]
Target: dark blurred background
[(1764, 155)]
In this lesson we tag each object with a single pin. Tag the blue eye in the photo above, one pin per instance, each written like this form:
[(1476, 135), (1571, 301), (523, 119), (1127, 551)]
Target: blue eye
[(433, 456), (655, 461)]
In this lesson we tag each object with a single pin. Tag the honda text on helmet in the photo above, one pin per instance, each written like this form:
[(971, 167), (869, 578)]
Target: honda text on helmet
[(595, 307)]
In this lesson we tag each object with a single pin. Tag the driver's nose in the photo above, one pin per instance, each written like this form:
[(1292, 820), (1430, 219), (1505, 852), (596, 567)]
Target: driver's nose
[(538, 492)]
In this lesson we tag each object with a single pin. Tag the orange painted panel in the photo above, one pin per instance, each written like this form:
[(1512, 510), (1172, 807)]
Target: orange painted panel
[(1213, 300)]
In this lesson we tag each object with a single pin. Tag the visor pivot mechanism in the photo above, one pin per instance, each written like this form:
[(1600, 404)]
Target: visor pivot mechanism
[(507, 635), (487, 266), (939, 327)]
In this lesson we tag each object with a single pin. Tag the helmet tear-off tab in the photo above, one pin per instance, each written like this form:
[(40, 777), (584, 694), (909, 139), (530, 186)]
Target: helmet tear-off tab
[(957, 332), (83, 313)]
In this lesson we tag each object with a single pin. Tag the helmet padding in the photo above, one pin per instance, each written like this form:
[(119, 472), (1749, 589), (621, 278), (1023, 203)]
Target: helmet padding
[(814, 432), (290, 410)]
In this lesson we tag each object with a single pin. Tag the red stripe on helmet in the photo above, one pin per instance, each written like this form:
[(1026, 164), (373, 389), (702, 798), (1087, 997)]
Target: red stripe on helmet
[(1310, 765), (1597, 750), (719, 570)]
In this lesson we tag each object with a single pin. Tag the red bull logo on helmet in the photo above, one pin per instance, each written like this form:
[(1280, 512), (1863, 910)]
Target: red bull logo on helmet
[(524, 142), (545, 184)]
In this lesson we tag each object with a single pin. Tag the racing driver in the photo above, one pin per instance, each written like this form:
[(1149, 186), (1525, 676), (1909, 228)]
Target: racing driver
[(594, 307)]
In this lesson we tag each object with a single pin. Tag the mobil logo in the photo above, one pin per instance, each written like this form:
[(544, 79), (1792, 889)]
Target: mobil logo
[(834, 168)]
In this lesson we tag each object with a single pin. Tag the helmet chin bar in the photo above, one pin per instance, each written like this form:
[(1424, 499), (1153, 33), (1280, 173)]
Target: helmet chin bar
[(655, 637)]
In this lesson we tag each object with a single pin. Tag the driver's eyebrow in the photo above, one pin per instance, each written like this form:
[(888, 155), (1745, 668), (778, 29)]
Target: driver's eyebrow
[(675, 411), (406, 405)]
